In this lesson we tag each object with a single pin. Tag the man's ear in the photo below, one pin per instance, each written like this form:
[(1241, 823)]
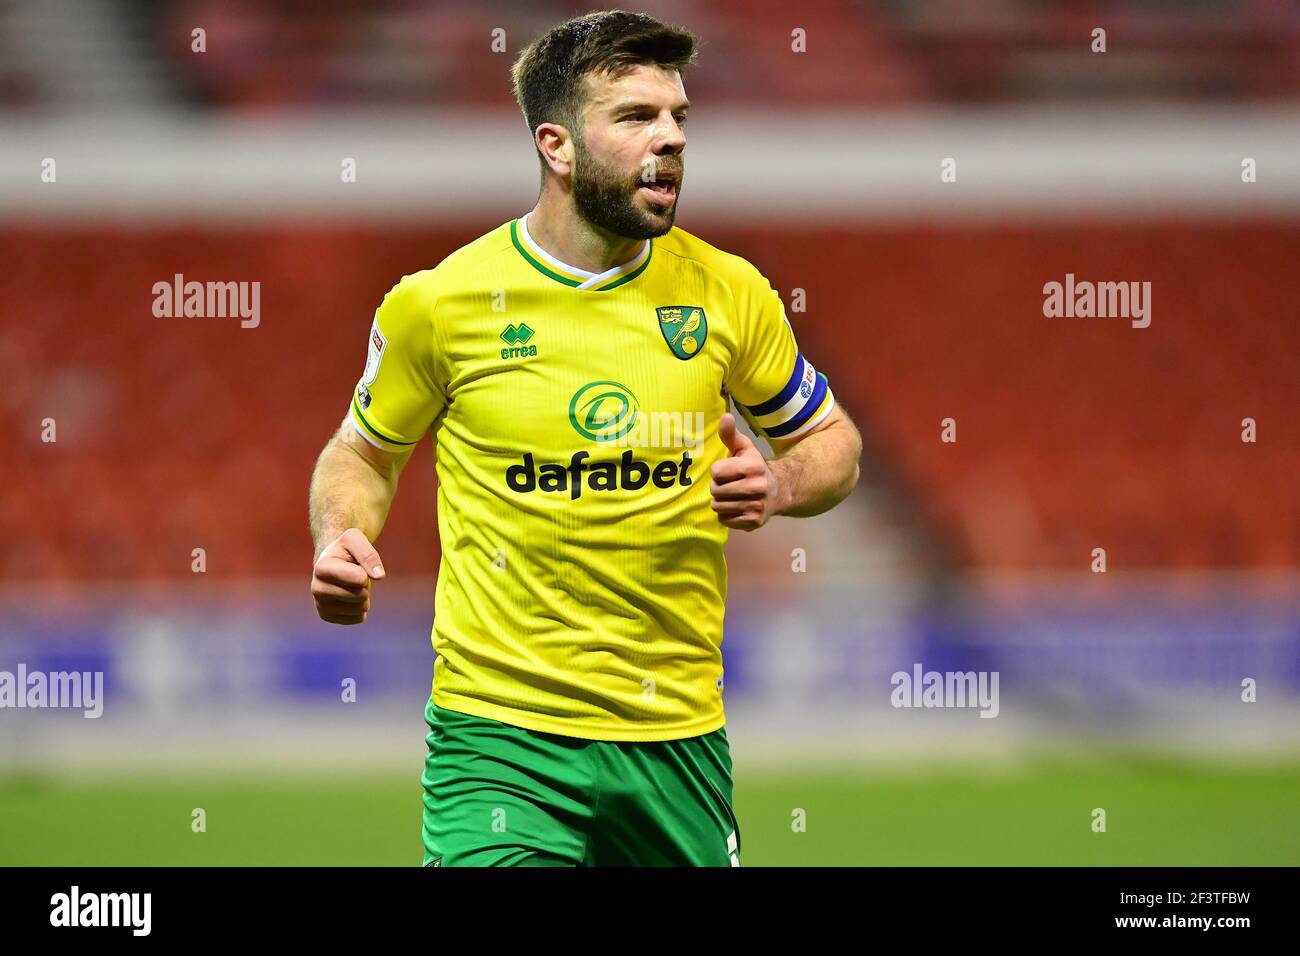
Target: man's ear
[(556, 147)]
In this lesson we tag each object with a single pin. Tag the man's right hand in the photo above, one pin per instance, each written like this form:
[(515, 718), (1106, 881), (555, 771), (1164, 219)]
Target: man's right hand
[(340, 579)]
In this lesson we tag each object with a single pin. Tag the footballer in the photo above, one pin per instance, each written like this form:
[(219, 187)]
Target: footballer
[(576, 713)]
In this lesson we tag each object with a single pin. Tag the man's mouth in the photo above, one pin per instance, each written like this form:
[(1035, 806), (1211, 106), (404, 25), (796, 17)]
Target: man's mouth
[(661, 192)]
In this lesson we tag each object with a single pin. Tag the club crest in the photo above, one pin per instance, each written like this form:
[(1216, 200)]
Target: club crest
[(685, 327)]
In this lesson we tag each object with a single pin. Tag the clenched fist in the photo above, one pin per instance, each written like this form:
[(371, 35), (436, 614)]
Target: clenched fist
[(745, 490), (340, 579)]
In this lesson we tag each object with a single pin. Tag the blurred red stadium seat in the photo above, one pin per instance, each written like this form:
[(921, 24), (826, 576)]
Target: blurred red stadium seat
[(1073, 434)]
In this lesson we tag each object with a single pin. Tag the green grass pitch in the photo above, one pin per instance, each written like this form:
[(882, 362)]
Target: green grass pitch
[(1160, 811)]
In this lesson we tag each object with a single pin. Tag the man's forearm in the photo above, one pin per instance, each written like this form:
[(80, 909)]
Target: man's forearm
[(819, 472), (349, 491)]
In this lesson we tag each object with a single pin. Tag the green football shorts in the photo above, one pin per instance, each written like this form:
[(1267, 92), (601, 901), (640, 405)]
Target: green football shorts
[(498, 795)]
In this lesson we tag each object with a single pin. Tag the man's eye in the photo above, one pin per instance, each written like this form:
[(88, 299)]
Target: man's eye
[(649, 118)]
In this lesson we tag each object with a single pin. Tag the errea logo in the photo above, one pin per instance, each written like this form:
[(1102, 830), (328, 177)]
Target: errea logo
[(517, 336)]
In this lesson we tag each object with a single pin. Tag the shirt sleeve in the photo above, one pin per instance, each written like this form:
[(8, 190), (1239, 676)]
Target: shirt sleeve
[(775, 388), (398, 396)]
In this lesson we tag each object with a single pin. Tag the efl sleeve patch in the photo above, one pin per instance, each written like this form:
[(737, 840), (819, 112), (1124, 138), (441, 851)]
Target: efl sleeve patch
[(397, 397)]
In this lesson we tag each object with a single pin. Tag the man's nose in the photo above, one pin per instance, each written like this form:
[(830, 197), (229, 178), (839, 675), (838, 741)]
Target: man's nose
[(670, 137)]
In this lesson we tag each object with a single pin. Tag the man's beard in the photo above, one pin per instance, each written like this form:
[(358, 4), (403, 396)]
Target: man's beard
[(606, 198)]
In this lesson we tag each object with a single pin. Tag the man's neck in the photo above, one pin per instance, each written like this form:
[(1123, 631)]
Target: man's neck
[(568, 237)]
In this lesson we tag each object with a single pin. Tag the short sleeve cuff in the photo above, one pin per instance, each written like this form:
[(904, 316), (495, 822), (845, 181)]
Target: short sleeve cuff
[(373, 433)]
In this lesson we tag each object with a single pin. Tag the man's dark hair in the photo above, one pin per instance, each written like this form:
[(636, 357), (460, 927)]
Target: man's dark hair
[(549, 75)]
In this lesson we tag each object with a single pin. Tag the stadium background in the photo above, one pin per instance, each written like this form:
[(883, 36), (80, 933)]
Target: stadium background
[(921, 300)]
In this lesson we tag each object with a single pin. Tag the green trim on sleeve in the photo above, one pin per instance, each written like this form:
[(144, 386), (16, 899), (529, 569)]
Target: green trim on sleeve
[(356, 409)]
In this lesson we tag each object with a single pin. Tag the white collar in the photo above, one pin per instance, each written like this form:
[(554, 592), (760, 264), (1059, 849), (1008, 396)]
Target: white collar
[(589, 279)]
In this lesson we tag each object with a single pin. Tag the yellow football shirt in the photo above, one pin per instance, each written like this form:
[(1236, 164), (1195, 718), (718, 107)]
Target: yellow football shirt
[(575, 417)]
